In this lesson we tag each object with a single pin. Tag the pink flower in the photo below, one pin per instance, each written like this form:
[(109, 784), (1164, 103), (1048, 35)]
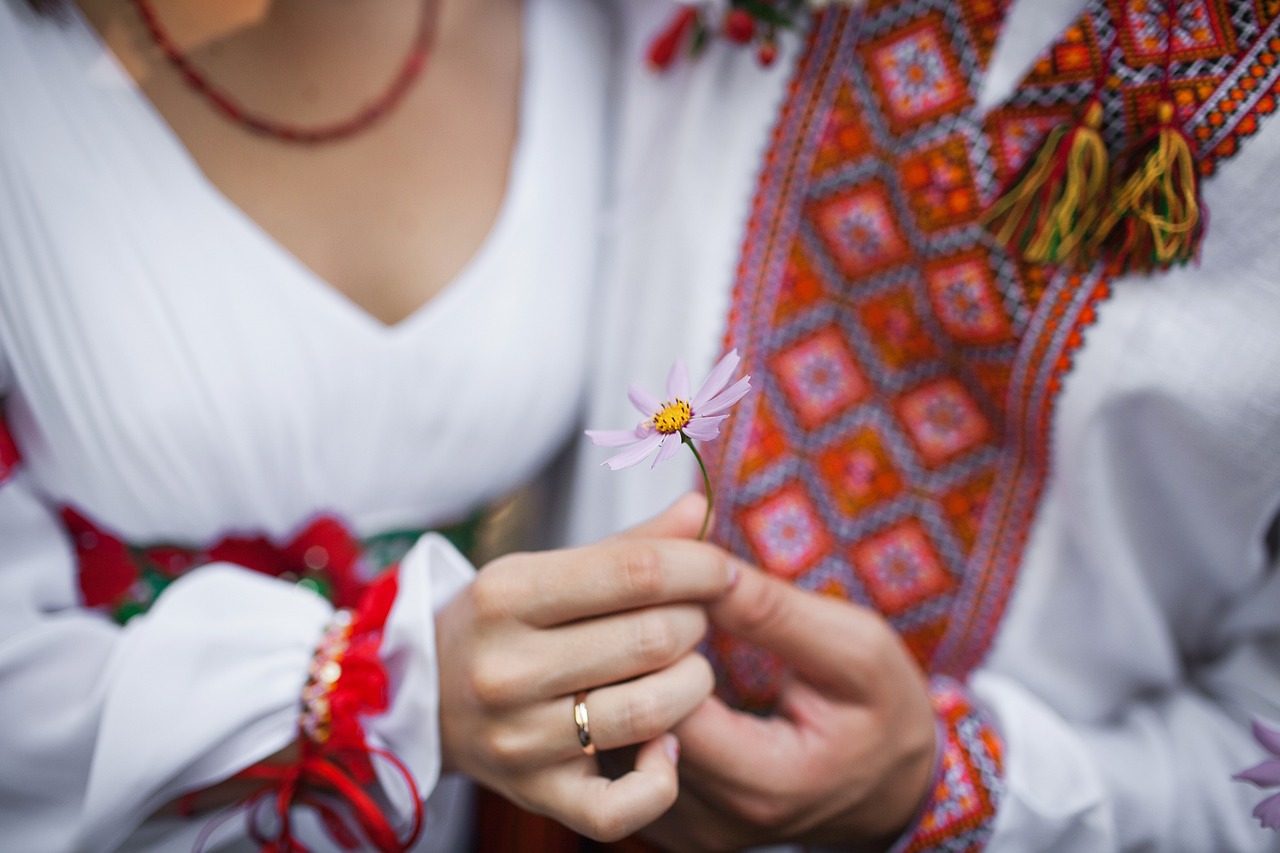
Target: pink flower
[(681, 419), (1266, 775)]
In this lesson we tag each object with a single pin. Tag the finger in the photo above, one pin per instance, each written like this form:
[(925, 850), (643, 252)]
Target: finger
[(610, 649), (640, 710), (617, 716), (681, 520), (608, 810), (831, 643), (622, 574)]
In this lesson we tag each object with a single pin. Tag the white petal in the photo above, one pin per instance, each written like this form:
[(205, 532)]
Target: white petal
[(678, 382), (716, 379), (725, 398), (643, 400), (613, 437), (635, 455), (704, 429), (670, 444)]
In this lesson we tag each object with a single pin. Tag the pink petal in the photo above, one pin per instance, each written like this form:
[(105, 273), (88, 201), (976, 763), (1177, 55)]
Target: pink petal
[(643, 400), (670, 444), (1268, 812), (716, 379), (635, 455), (1268, 737), (678, 382), (613, 437), (726, 398), (1264, 775), (703, 429)]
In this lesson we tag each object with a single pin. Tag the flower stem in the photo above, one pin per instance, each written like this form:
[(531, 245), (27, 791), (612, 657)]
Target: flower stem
[(706, 482)]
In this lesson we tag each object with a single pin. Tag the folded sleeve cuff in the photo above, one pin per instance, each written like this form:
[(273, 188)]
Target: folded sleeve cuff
[(968, 784), (431, 574)]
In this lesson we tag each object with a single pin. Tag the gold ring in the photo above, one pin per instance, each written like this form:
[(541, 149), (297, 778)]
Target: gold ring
[(583, 723)]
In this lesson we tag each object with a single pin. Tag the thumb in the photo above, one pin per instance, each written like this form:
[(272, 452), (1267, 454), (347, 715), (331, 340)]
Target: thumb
[(830, 643), (681, 520)]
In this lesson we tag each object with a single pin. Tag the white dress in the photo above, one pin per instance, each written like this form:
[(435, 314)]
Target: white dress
[(171, 372), (1144, 629)]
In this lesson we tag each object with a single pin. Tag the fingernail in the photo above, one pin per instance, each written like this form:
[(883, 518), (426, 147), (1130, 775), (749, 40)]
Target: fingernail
[(672, 748), (735, 573)]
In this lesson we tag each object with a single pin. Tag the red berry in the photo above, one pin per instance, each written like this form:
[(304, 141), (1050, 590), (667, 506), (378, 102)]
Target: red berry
[(739, 27), (767, 52)]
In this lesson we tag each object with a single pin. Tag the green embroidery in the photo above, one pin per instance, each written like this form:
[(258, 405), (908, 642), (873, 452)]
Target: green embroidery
[(378, 553)]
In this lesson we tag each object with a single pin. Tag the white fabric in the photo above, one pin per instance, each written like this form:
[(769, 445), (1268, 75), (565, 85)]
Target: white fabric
[(177, 376), (1145, 626)]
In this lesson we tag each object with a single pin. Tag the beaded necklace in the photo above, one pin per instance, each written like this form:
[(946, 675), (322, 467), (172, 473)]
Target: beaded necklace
[(366, 116)]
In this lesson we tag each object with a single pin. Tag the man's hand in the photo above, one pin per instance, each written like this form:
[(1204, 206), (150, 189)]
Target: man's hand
[(849, 757)]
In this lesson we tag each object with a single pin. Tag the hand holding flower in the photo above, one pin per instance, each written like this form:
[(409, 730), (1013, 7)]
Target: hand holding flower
[(517, 646)]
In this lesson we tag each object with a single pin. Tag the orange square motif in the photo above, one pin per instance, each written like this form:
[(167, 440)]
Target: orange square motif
[(786, 532), (938, 185), (860, 230), (859, 473), (942, 420), (965, 300), (819, 376), (916, 74), (844, 136), (900, 568), (1203, 30), (892, 321)]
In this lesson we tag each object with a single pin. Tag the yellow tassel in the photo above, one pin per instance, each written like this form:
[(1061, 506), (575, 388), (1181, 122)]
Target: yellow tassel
[(1047, 216), (1155, 210)]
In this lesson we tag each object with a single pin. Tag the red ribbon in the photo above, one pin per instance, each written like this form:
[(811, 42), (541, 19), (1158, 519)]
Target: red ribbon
[(322, 782), (9, 455)]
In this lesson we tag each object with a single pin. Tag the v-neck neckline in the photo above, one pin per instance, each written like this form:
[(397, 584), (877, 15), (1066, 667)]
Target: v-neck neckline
[(313, 286)]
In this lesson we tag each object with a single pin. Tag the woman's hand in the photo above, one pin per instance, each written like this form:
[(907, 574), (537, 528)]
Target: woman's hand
[(618, 619)]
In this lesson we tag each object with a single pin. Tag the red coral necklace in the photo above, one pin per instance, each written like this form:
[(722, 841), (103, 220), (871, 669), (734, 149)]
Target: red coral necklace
[(365, 117)]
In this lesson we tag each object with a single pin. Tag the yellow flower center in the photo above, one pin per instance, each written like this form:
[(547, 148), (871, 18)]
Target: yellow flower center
[(672, 417)]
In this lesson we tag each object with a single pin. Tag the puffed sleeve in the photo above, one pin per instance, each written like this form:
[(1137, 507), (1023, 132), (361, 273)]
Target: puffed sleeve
[(106, 724)]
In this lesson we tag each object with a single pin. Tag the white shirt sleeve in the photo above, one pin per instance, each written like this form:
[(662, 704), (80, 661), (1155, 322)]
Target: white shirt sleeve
[(104, 724)]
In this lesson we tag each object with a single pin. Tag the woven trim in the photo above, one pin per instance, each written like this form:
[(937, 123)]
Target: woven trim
[(969, 782)]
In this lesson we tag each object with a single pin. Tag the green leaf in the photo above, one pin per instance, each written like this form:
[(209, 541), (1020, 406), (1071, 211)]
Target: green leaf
[(769, 13)]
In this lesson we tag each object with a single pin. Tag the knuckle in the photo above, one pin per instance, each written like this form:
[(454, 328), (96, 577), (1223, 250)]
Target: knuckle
[(493, 682), (505, 748), (705, 675), (606, 824), (642, 572), (490, 595), (642, 717), (764, 608), (656, 640)]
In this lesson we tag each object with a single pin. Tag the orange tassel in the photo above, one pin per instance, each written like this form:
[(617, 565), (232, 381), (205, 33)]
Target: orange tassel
[(1155, 218), (1047, 215)]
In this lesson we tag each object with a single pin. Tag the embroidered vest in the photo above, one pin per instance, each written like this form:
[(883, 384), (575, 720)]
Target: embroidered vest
[(907, 365)]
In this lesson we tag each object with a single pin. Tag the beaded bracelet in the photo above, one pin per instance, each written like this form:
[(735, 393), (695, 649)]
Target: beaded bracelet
[(326, 669)]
